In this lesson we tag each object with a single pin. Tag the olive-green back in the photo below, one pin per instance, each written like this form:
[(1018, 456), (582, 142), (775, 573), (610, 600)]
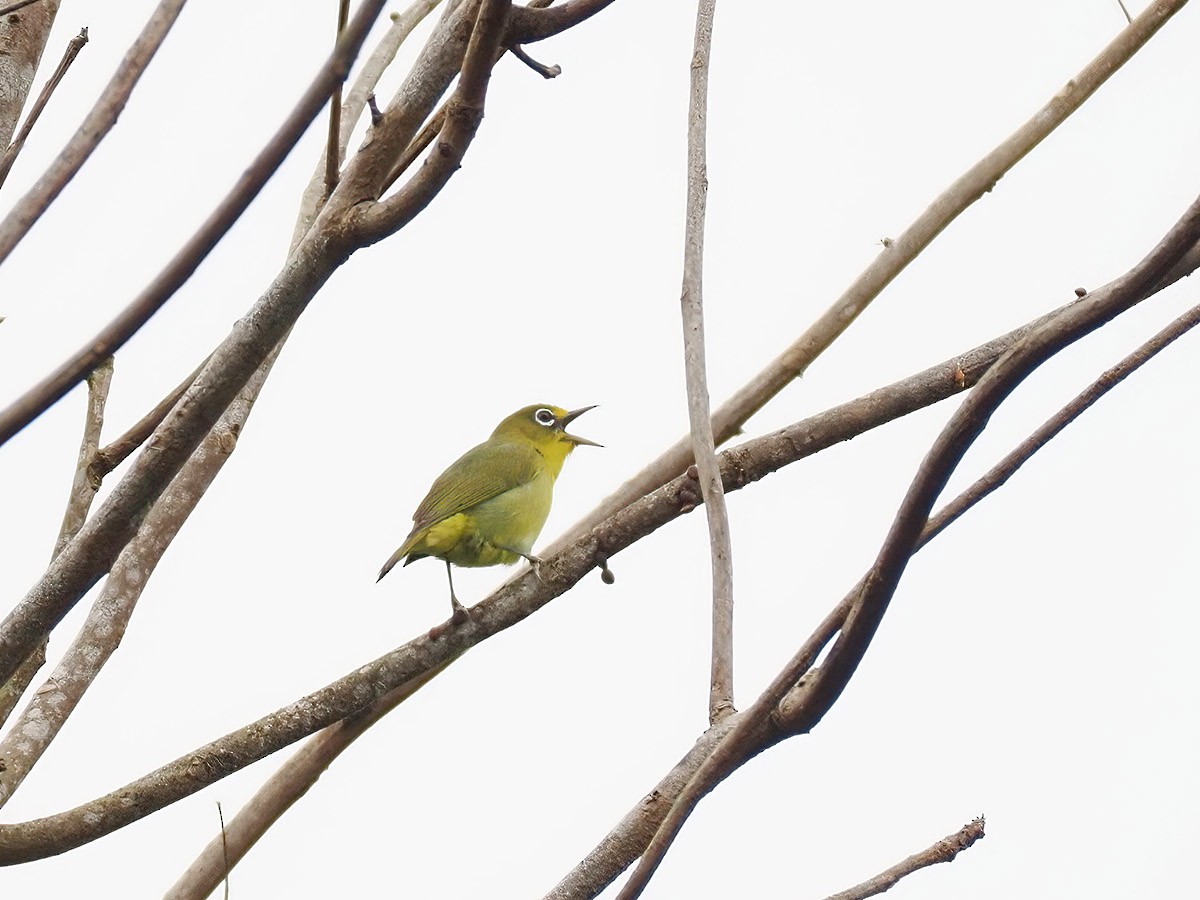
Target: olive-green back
[(483, 472)]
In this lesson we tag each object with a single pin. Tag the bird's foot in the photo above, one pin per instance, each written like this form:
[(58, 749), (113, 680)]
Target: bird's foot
[(535, 563)]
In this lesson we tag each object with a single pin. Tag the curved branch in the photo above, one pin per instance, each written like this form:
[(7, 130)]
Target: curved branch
[(864, 606), (529, 24), (43, 395), (973, 184)]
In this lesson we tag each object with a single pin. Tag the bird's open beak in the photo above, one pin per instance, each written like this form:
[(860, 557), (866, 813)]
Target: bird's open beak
[(571, 417)]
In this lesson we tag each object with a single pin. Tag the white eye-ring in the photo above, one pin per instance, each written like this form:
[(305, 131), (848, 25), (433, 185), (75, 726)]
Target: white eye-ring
[(544, 417)]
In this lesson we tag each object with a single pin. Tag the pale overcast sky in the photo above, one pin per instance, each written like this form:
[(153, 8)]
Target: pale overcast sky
[(1037, 663)]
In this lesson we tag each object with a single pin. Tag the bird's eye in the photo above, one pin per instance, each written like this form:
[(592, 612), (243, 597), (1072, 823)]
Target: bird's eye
[(544, 417)]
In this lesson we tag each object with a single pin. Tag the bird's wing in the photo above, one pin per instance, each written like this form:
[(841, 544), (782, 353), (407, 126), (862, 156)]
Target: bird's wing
[(483, 472)]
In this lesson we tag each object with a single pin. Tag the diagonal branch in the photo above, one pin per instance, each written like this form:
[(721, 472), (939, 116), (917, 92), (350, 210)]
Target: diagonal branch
[(10, 155), (464, 112), (868, 604), (973, 184), (783, 701), (24, 39), (531, 24), (943, 851), (92, 552), (84, 486), (43, 395), (96, 125), (720, 699), (996, 476)]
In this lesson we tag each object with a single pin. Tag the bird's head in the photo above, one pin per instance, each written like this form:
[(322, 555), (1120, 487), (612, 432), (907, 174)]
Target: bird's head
[(544, 427)]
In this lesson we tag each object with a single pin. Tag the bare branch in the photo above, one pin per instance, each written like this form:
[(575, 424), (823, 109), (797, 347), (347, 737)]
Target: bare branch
[(799, 696), (23, 39), (13, 7), (333, 153), (505, 607), (1052, 427), (104, 628), (95, 127), (10, 155), (112, 455), (83, 490), (973, 184), (943, 851), (287, 785), (180, 268), (433, 126), (530, 24), (621, 846), (464, 112), (720, 701), (1090, 313), (361, 94), (84, 485)]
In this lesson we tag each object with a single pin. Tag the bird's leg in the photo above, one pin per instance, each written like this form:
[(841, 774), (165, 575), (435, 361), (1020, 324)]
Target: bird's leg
[(458, 611)]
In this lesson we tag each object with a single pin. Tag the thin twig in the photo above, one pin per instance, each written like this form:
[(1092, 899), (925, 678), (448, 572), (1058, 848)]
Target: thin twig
[(113, 454), (333, 153), (96, 126), (40, 397), (720, 698), (943, 851), (1008, 466), (542, 69), (730, 416), (10, 155), (1128, 17), (83, 491)]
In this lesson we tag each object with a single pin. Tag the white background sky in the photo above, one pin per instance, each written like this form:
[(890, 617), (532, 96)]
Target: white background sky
[(1037, 664)]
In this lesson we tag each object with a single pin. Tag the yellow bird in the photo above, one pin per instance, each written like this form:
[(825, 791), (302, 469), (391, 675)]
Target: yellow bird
[(489, 507)]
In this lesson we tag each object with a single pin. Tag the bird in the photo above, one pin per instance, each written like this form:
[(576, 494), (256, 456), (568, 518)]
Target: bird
[(489, 506)]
